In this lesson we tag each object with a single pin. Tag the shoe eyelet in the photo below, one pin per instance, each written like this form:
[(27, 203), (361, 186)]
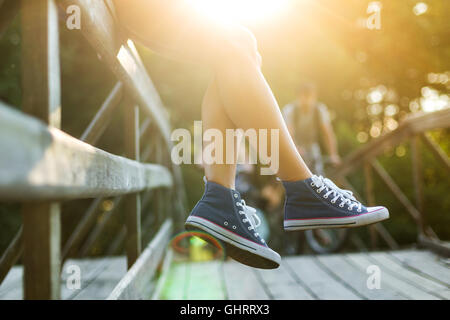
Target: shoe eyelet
[(341, 206), (235, 195), (333, 201), (325, 197), (225, 223), (318, 191), (248, 228), (349, 209), (312, 184), (234, 227), (241, 212)]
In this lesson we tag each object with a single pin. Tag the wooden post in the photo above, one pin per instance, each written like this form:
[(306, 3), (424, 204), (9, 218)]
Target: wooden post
[(370, 197), (417, 180), (133, 201), (159, 198), (41, 98)]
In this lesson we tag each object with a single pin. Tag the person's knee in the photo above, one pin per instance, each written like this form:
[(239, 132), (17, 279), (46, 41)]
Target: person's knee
[(240, 45)]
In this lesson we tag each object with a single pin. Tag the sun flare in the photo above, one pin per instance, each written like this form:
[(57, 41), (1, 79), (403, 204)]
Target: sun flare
[(240, 10)]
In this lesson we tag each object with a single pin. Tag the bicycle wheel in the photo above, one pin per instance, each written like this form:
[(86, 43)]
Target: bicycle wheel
[(324, 241)]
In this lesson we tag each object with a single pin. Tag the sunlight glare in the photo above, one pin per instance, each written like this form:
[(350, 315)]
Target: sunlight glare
[(239, 10), (420, 8)]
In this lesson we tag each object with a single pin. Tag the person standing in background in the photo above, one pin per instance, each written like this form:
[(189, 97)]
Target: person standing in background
[(308, 122)]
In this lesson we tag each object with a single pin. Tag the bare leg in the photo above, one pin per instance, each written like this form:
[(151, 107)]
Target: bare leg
[(240, 96), (214, 116), (249, 103)]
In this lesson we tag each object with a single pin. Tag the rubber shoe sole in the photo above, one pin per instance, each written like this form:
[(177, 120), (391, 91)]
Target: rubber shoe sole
[(377, 215), (240, 249)]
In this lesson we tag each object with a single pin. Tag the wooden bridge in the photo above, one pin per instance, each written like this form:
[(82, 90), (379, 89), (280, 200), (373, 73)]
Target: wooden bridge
[(41, 167)]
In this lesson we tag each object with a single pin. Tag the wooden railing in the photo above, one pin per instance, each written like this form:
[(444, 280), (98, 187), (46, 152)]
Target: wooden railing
[(41, 166), (413, 129)]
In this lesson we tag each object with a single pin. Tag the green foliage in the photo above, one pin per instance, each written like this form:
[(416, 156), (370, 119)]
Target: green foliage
[(10, 45)]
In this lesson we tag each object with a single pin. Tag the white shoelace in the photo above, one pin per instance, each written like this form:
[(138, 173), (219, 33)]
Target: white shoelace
[(248, 212), (345, 196), (250, 216)]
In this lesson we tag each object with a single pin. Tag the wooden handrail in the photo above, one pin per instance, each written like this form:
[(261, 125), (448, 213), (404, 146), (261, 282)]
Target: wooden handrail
[(50, 164), (396, 191), (88, 219), (135, 284), (413, 125)]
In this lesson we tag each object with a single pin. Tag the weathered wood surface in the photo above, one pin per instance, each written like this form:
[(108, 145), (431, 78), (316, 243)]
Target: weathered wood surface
[(136, 283), (98, 281), (355, 277), (425, 263), (41, 162), (165, 267), (434, 244), (434, 288), (283, 284), (202, 282), (319, 281), (132, 201), (98, 278), (407, 290), (406, 274), (41, 98)]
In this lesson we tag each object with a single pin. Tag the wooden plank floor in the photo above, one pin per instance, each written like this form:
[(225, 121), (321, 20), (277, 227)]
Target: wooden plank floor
[(98, 279), (407, 274)]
